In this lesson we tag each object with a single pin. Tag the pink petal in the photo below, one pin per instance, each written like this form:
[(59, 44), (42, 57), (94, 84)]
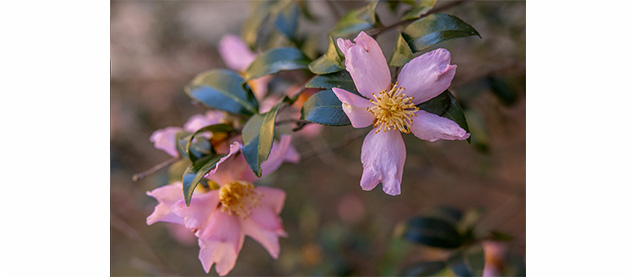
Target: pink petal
[(167, 196), (431, 127), (367, 65), (220, 242), (265, 226), (383, 157), (164, 139), (234, 148), (196, 215), (273, 198), (355, 107), (235, 53), (343, 45), (427, 76), (199, 121)]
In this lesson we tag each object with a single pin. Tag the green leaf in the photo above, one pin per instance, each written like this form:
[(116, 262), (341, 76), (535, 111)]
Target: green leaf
[(433, 232), (402, 53), (329, 62), (259, 17), (445, 105), (436, 28), (275, 60), (195, 173), (500, 236), (198, 148), (446, 213), (223, 89), (502, 90), (176, 170), (425, 268), (479, 133), (216, 128), (258, 137), (419, 9), (341, 79), (287, 20), (324, 108), (467, 261), (357, 20)]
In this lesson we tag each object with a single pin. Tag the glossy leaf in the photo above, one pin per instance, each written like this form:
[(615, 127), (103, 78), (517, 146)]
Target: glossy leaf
[(324, 108), (419, 9), (436, 28), (402, 53), (357, 20), (216, 128), (424, 269), (341, 79), (198, 148), (433, 232), (467, 261), (195, 173), (275, 60), (223, 89), (258, 137), (177, 169), (287, 20), (445, 105), (260, 16), (329, 62)]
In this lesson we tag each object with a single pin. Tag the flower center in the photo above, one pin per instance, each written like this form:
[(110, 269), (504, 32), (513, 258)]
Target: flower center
[(393, 110), (238, 198)]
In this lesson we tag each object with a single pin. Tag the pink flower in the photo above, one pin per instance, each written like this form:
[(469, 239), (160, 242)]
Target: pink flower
[(164, 139), (238, 56), (391, 108), (221, 218)]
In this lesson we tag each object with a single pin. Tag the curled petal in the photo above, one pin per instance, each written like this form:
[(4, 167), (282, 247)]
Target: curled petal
[(220, 242), (428, 75), (343, 45), (234, 148), (367, 65), (431, 127), (164, 139), (383, 157), (167, 196), (196, 215), (355, 107), (235, 53), (199, 121)]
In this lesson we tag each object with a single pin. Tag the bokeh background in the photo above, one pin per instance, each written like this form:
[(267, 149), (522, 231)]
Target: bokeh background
[(334, 227)]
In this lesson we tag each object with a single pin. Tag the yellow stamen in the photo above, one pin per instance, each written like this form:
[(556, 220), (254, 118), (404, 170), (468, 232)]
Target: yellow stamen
[(392, 110), (239, 198)]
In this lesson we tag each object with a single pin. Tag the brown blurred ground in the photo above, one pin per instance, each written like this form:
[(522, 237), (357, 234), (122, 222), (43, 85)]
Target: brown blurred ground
[(334, 227)]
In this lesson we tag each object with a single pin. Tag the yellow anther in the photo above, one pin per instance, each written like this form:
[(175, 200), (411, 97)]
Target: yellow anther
[(392, 110), (239, 198)]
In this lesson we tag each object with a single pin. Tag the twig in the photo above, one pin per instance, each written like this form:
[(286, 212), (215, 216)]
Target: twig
[(378, 31), (155, 168)]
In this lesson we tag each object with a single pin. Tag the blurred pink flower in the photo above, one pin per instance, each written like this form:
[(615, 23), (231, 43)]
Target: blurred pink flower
[(238, 56), (164, 139), (221, 218), (390, 108), (493, 258)]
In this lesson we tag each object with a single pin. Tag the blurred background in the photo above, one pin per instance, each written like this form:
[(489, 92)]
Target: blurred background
[(334, 227)]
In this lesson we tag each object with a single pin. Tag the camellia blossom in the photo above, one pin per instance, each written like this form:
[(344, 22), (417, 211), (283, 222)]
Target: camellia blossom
[(221, 218), (391, 108), (164, 139), (238, 56)]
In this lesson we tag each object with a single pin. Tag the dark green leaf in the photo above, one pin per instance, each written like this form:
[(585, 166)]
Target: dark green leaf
[(275, 60), (479, 133), (424, 269), (433, 232), (259, 17), (223, 89), (341, 79), (287, 20), (357, 20), (324, 108), (502, 90), (446, 213), (419, 9), (500, 236), (258, 136), (445, 105), (216, 128), (468, 261), (195, 173), (198, 149), (436, 28), (402, 53), (329, 62), (470, 220)]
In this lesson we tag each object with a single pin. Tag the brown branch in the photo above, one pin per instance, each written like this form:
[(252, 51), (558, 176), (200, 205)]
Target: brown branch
[(153, 169)]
